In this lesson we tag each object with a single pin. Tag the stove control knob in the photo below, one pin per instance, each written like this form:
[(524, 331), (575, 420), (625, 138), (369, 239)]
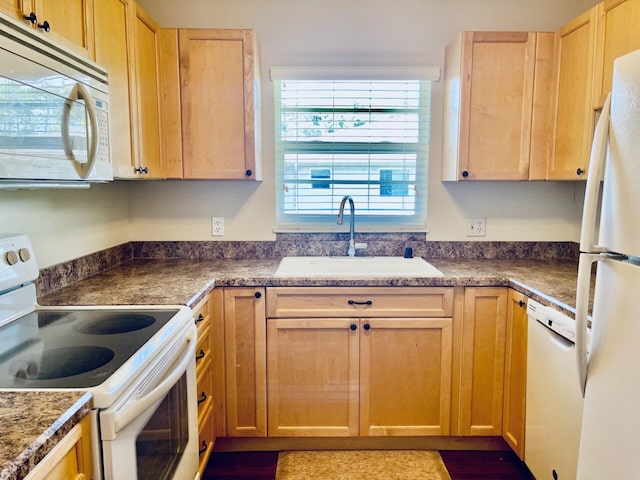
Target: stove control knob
[(11, 257), (24, 254)]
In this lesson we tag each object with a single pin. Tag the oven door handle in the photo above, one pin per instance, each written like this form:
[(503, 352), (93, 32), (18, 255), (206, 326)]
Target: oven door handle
[(134, 408)]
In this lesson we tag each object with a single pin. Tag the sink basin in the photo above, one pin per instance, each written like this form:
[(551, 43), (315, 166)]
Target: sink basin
[(355, 267)]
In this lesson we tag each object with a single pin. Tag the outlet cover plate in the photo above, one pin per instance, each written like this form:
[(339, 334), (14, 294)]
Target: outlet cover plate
[(476, 227), (217, 226)]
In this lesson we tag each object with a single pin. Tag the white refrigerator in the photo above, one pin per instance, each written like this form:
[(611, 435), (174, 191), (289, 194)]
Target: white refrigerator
[(610, 239)]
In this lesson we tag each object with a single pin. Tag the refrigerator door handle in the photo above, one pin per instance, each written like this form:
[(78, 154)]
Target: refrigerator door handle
[(594, 177), (582, 309)]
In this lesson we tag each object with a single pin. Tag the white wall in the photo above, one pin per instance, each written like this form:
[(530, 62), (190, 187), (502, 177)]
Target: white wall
[(69, 223), (359, 32), (65, 225)]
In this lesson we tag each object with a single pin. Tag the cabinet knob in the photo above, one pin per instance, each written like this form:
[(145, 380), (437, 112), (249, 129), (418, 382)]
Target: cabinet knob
[(367, 326), (141, 170), (579, 171), (257, 295), (521, 303), (31, 18), (44, 26), (353, 326), (465, 173), (248, 173)]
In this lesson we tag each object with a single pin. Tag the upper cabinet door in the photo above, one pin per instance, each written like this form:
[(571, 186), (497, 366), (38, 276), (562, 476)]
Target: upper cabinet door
[(618, 34), (489, 98), (574, 118), (113, 34), (70, 22), (218, 81), (147, 118)]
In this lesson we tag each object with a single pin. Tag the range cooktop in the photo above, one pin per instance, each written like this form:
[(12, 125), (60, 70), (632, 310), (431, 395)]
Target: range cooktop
[(73, 348)]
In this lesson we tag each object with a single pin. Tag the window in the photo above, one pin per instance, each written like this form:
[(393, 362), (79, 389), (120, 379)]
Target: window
[(365, 138)]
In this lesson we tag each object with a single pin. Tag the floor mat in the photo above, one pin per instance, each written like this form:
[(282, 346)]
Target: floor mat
[(361, 464)]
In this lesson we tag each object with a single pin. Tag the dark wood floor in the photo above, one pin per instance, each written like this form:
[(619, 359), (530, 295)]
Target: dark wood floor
[(477, 465)]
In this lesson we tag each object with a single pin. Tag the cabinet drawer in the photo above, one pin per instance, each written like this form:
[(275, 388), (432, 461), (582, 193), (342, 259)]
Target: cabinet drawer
[(201, 315), (204, 391), (297, 302), (203, 349), (206, 439)]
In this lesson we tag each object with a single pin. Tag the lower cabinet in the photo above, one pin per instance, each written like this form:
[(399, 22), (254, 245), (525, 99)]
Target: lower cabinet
[(483, 326), (515, 375), (70, 458), (368, 361), (371, 375), (204, 382)]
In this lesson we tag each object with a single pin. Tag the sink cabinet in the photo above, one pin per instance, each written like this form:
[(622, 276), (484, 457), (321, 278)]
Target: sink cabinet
[(359, 361)]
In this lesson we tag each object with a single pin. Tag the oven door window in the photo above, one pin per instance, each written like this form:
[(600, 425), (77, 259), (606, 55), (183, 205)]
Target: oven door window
[(163, 439)]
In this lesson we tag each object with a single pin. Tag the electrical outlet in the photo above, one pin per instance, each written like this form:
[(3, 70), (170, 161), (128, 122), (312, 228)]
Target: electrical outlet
[(476, 227), (217, 226)]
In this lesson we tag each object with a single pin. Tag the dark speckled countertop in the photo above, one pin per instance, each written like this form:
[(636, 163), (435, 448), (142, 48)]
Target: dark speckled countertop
[(34, 423), (185, 282)]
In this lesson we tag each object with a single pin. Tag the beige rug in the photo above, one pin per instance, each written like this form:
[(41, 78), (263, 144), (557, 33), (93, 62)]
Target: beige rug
[(361, 464)]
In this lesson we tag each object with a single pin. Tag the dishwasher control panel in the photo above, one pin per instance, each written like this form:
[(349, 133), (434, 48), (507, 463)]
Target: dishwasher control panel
[(555, 320)]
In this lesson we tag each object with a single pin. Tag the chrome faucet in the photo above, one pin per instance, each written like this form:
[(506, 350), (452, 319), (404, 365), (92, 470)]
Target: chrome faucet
[(352, 244)]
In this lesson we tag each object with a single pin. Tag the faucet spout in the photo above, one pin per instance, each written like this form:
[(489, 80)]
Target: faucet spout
[(352, 244)]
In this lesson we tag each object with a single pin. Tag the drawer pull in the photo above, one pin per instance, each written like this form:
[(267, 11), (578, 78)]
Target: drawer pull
[(200, 356), (200, 318), (353, 302), (203, 398), (203, 448)]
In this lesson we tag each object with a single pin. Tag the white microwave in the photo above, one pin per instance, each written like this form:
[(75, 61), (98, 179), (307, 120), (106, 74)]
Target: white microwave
[(54, 117)]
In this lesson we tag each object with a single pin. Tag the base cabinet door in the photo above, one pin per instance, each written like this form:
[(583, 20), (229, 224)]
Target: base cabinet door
[(245, 361), (405, 376), (482, 361), (313, 377), (515, 375)]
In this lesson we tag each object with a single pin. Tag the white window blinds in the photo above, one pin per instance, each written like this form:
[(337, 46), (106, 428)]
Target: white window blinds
[(364, 138)]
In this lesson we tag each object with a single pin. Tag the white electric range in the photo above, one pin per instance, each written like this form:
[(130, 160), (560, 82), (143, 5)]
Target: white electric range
[(138, 362)]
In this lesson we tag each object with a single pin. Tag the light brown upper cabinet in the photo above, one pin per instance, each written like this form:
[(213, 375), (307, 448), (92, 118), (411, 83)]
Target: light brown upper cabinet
[(574, 117), (617, 34), (113, 37), (69, 22), (497, 106), (127, 44), (218, 109)]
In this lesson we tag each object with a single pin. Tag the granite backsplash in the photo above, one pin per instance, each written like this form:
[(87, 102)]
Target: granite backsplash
[(297, 244)]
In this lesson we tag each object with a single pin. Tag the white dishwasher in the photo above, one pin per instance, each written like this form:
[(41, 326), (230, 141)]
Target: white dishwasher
[(554, 400)]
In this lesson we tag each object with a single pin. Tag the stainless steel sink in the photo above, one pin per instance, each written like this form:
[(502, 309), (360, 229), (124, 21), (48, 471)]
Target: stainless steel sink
[(355, 267)]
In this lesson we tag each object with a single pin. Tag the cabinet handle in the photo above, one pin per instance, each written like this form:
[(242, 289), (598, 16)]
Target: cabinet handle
[(579, 171), (248, 173), (31, 18), (200, 356), (141, 170), (257, 295), (44, 26), (203, 448), (521, 303), (465, 173), (367, 326), (353, 326), (200, 318), (353, 302), (203, 398)]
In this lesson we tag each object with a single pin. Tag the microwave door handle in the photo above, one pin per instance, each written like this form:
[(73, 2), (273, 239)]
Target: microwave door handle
[(594, 177), (80, 92), (135, 408)]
